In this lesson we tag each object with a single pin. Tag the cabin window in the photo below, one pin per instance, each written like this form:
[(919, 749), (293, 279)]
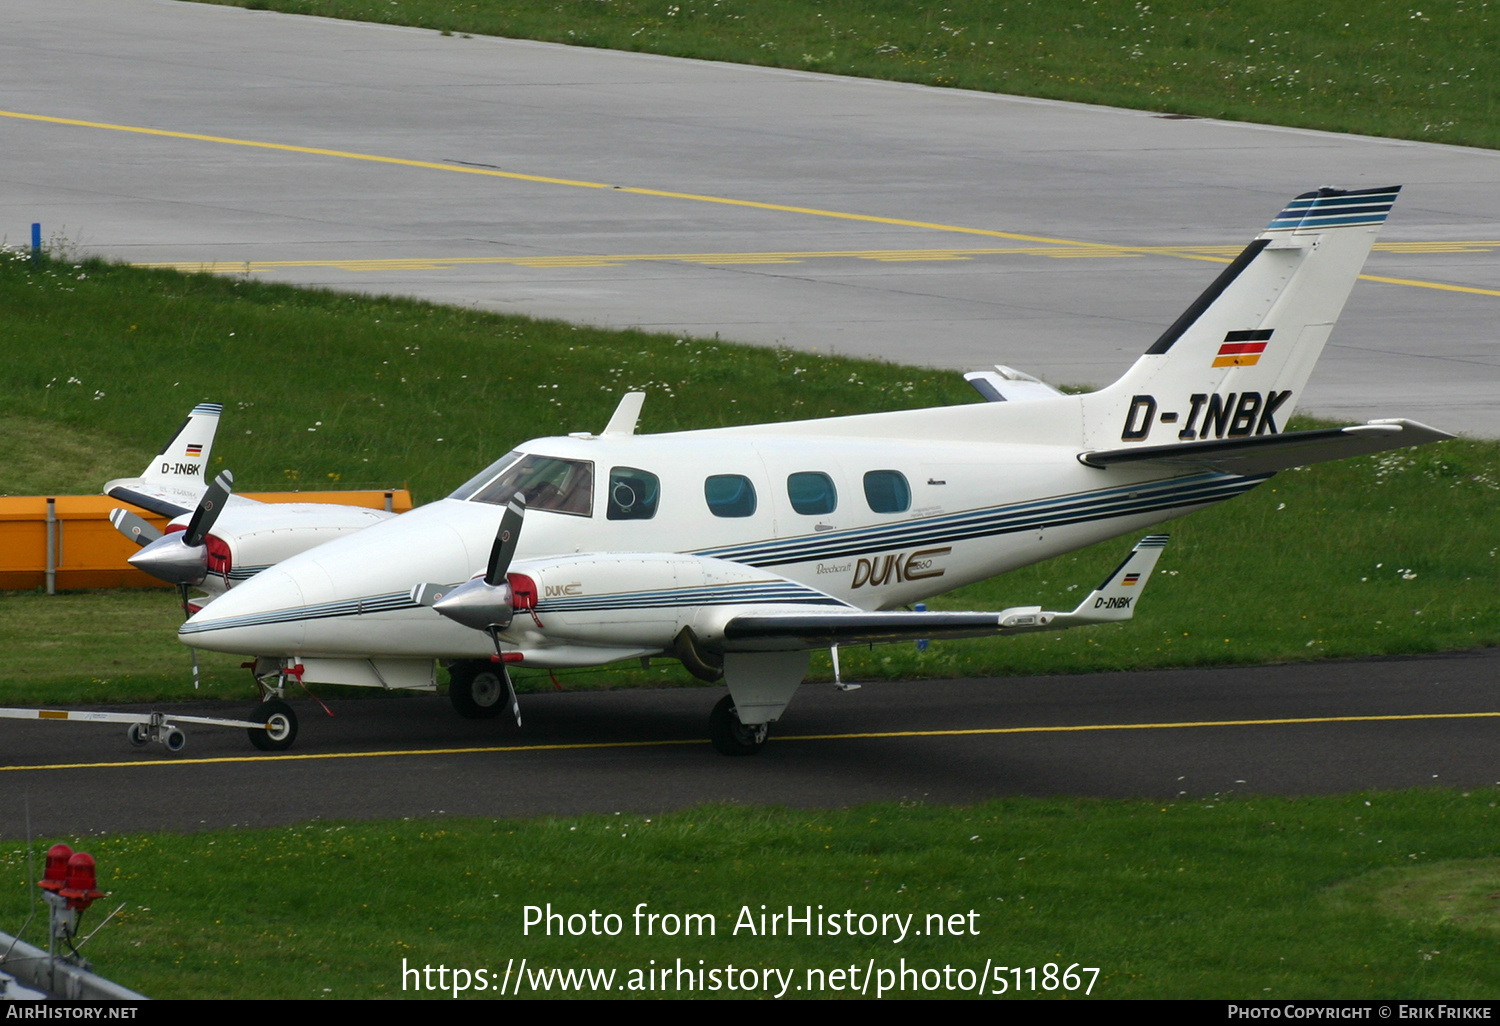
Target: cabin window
[(729, 495), (812, 493), (887, 491), (632, 494), (545, 482)]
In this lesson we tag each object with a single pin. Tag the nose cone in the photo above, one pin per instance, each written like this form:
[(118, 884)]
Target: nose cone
[(352, 597), (169, 559), (264, 616)]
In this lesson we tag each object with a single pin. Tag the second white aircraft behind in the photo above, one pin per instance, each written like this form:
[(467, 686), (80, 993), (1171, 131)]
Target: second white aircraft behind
[(738, 550)]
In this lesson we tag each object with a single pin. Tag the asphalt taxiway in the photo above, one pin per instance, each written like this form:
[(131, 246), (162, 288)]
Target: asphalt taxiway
[(1299, 729), (942, 227), (949, 228)]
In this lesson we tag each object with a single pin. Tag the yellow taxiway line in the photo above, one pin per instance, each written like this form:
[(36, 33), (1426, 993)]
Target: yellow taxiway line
[(1097, 249), (872, 735), (1217, 254), (469, 169)]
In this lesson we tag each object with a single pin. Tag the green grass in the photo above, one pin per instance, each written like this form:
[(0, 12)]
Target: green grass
[(327, 390), (1376, 68), (1220, 897), (1383, 555)]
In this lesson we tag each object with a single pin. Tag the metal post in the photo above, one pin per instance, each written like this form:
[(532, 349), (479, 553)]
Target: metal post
[(390, 502), (36, 241), (51, 545)]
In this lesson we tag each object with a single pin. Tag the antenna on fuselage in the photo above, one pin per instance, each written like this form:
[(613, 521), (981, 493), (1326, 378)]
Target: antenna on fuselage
[(626, 414)]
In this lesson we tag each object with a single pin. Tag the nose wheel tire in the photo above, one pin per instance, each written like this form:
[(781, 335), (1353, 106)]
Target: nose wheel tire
[(477, 691), (729, 735), (281, 724)]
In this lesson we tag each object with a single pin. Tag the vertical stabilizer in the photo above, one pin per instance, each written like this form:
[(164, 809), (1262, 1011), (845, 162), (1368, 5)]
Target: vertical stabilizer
[(182, 459), (1236, 361), (172, 482)]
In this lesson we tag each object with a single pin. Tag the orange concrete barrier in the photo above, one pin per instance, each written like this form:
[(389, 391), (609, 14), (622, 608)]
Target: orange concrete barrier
[(89, 553)]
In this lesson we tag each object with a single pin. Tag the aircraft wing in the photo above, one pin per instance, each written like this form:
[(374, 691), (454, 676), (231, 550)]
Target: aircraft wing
[(820, 627), (1266, 454)]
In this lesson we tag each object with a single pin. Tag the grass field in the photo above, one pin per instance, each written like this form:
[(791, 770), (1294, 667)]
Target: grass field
[(1363, 896), (1389, 554), (1376, 68)]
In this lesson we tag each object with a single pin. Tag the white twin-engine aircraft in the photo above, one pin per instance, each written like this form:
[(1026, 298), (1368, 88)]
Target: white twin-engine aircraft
[(738, 550)]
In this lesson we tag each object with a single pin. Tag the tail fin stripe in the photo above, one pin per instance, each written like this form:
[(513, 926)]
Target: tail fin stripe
[(1236, 348), (1329, 208), (1203, 302)]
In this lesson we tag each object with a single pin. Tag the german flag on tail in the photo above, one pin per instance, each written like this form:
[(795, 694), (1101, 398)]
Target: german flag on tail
[(1242, 348)]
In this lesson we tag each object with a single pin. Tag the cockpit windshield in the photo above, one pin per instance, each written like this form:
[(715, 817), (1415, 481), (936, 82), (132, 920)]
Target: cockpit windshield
[(545, 482), (485, 476)]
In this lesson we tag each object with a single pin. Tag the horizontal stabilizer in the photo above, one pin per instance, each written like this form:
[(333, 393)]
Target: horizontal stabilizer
[(1008, 385), (153, 500), (1266, 454), (1111, 601)]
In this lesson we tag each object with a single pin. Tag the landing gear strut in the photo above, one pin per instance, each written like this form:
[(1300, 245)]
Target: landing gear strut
[(729, 735)]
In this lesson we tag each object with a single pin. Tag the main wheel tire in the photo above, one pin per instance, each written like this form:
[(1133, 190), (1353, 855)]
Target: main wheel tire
[(478, 690), (729, 735), (282, 724)]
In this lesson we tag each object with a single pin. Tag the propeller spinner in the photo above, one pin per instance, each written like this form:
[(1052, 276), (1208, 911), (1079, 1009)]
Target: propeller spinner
[(181, 557), (484, 603)]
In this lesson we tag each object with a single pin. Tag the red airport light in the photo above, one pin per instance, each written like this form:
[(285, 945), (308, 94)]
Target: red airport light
[(55, 877), (81, 890)]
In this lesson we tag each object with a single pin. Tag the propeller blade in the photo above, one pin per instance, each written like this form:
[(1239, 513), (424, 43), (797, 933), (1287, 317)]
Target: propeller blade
[(506, 540), (133, 526), (209, 508), (428, 594), (510, 689)]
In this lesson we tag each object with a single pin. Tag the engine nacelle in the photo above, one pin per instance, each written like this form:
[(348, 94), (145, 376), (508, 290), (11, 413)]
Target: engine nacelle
[(247, 539), (636, 600)]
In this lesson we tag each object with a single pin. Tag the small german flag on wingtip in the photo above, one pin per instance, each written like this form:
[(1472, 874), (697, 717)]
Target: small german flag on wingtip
[(1242, 348)]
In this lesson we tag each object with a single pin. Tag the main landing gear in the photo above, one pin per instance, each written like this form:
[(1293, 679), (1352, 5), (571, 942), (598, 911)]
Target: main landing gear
[(729, 735), (478, 689)]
